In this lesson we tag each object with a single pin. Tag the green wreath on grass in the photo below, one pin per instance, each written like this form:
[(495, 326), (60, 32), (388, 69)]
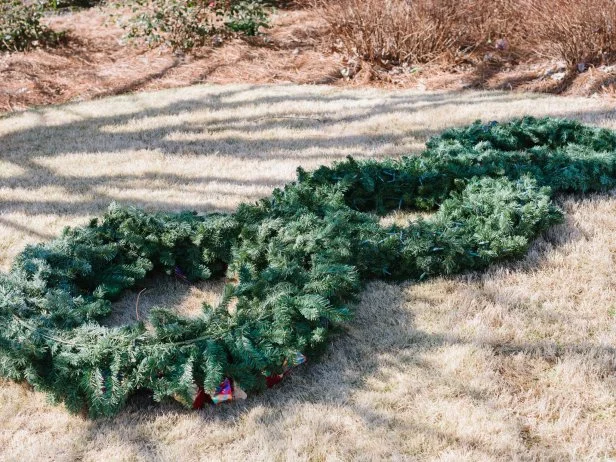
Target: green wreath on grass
[(299, 259)]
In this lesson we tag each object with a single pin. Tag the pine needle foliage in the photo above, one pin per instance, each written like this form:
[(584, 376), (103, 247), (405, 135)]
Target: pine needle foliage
[(300, 259)]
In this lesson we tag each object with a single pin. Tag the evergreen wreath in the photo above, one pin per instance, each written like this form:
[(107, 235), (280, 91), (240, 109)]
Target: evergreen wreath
[(299, 259)]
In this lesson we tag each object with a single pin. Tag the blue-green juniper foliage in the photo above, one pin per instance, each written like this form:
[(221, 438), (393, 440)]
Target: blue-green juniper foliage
[(301, 257)]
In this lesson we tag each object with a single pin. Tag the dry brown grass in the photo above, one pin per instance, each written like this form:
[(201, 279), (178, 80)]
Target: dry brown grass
[(391, 31), (514, 364), (408, 31), (454, 31), (578, 32)]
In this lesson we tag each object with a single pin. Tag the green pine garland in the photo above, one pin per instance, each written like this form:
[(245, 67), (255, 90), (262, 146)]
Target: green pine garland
[(300, 257)]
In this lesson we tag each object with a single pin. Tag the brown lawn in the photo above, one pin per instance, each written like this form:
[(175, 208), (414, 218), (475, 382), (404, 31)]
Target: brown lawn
[(517, 363)]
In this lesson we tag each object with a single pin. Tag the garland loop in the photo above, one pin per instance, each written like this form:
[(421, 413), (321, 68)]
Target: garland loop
[(300, 258)]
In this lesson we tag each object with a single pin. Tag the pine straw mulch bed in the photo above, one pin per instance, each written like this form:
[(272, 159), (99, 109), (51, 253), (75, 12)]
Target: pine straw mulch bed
[(94, 62)]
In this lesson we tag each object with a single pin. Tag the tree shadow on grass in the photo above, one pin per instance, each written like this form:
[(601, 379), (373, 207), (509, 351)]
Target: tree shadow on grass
[(200, 126), (208, 124)]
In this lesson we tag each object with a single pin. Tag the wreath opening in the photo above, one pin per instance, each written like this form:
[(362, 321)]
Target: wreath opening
[(296, 261)]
